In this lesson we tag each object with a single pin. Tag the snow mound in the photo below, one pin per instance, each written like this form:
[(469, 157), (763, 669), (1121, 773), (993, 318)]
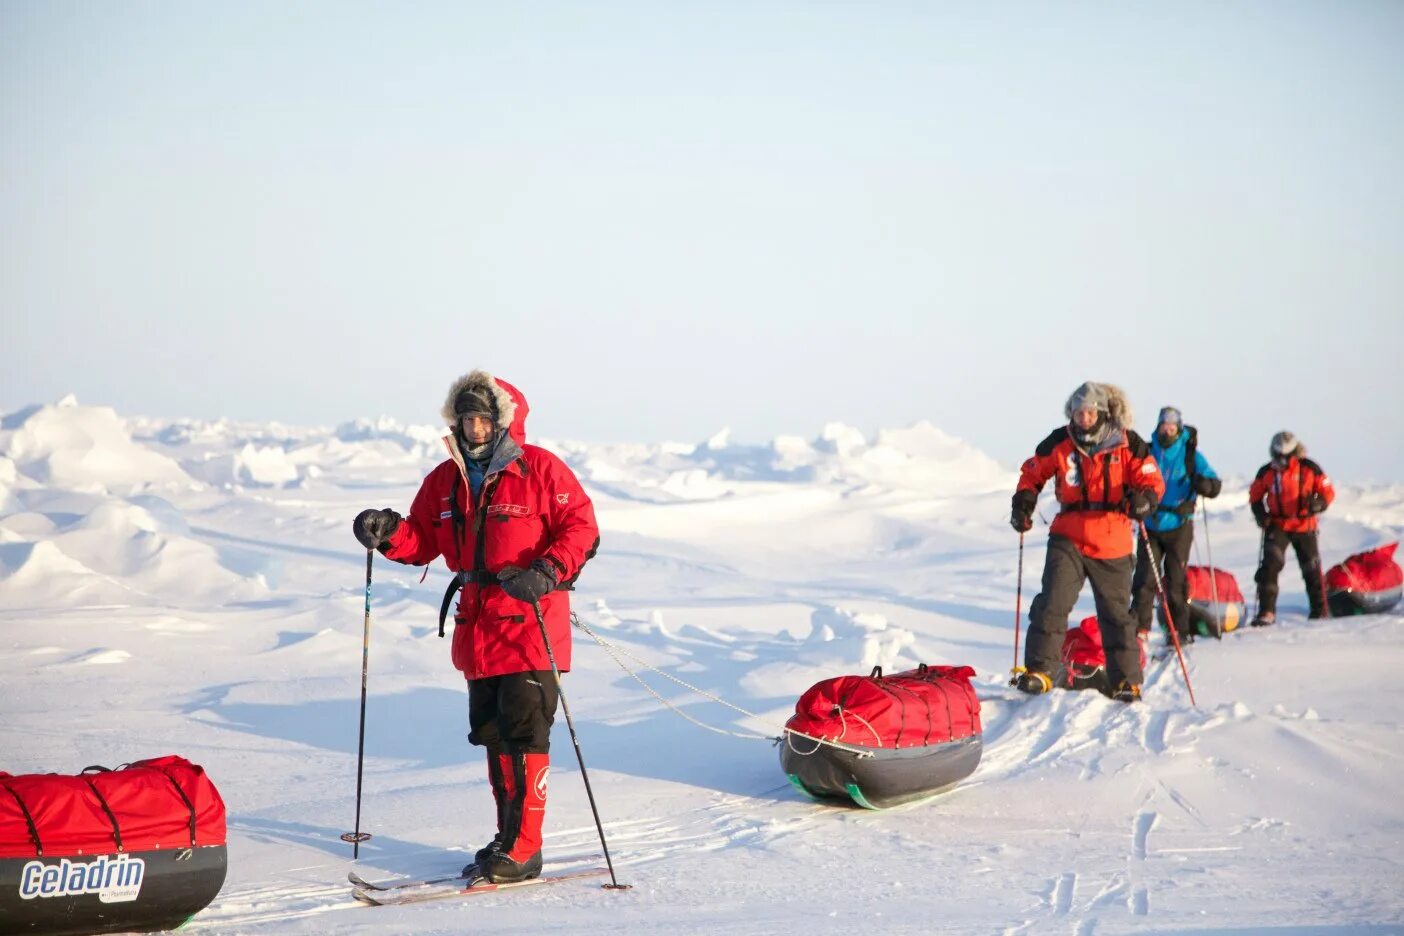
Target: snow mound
[(250, 466), (840, 642), (919, 458), (119, 551), (80, 447)]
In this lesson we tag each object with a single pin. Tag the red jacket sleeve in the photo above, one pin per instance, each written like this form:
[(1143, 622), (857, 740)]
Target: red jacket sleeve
[(1036, 472), (413, 542), (574, 534), (1324, 487), (1259, 488)]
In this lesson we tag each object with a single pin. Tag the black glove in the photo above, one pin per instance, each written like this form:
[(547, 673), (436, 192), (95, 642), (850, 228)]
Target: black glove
[(1206, 486), (1140, 504), (1021, 512), (373, 528), (530, 585), (1260, 515), (1316, 502)]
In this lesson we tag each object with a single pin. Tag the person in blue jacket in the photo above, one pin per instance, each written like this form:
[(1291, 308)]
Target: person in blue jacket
[(1170, 530)]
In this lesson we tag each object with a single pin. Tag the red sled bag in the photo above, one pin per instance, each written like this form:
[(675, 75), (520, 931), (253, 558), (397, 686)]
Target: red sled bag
[(883, 740), (1216, 604), (137, 848), (1366, 583), (1084, 658)]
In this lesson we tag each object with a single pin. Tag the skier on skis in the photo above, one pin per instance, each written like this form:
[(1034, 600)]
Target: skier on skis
[(1288, 493), (515, 525), (1171, 528), (1105, 478)]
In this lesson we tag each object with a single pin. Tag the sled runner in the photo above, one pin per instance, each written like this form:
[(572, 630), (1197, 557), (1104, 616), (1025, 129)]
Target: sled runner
[(140, 848), (1366, 583), (895, 738)]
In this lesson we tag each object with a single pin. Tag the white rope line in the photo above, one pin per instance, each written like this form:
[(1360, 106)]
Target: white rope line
[(616, 651), (864, 722)]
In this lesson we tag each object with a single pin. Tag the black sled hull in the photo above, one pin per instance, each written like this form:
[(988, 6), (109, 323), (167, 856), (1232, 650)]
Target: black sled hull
[(1350, 602), (888, 777), (73, 895)]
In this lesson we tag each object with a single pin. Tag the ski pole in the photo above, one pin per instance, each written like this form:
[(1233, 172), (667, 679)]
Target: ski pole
[(570, 723), (1262, 547), (357, 837), (1018, 611), (1320, 573), (1213, 577), (1164, 603)]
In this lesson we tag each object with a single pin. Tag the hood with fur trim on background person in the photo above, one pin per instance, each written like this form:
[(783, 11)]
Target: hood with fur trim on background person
[(1114, 414), (1284, 446)]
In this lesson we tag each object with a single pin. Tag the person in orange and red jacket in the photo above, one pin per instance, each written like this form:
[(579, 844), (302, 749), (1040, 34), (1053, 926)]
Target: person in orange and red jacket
[(1105, 479), (512, 521), (1286, 496)]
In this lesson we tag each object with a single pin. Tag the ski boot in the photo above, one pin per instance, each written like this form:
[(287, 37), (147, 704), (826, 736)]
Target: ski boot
[(1127, 692), (501, 869), (1033, 682), (1264, 619), (482, 857)]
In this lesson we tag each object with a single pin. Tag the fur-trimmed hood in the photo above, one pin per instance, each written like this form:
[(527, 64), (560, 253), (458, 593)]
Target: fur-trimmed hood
[(511, 405), (1106, 397)]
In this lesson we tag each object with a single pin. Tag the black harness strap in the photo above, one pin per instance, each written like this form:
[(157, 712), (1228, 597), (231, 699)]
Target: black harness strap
[(116, 830), (479, 575), (1087, 505), (188, 805), (29, 821)]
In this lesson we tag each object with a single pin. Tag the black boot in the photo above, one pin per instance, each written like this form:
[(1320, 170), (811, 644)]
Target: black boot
[(1033, 682), (501, 869), (1127, 692)]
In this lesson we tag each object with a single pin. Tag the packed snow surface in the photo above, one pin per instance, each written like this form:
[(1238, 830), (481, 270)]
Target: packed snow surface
[(193, 588)]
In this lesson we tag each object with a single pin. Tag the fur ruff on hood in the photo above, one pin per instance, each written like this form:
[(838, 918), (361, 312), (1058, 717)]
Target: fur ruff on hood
[(1106, 397), (481, 380)]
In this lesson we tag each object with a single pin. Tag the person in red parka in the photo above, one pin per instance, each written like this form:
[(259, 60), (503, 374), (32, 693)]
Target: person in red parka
[(1105, 478), (1287, 494), (514, 524)]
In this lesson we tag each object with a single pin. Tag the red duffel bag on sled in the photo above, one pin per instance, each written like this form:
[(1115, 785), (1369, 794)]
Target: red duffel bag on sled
[(884, 740), (1366, 583), (1216, 604), (1084, 658), (137, 848)]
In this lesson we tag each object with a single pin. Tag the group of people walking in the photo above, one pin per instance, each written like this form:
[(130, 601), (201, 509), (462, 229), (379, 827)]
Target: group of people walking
[(514, 524), (1110, 483)]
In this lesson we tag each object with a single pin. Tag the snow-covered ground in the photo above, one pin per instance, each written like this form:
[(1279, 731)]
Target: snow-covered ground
[(193, 588)]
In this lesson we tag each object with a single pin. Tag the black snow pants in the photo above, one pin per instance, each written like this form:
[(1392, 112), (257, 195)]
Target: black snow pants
[(1275, 543), (513, 713), (1170, 549), (1064, 571)]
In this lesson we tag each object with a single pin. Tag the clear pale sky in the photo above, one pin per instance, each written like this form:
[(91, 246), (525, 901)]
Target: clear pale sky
[(659, 219)]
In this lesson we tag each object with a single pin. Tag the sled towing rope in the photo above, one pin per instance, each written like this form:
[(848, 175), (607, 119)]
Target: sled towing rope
[(357, 837)]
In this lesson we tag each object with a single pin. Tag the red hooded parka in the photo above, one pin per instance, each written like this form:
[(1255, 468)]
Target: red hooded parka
[(530, 506)]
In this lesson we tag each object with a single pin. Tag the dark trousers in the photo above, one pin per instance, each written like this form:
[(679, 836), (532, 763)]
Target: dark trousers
[(513, 713), (1064, 571), (1275, 543), (1170, 549)]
